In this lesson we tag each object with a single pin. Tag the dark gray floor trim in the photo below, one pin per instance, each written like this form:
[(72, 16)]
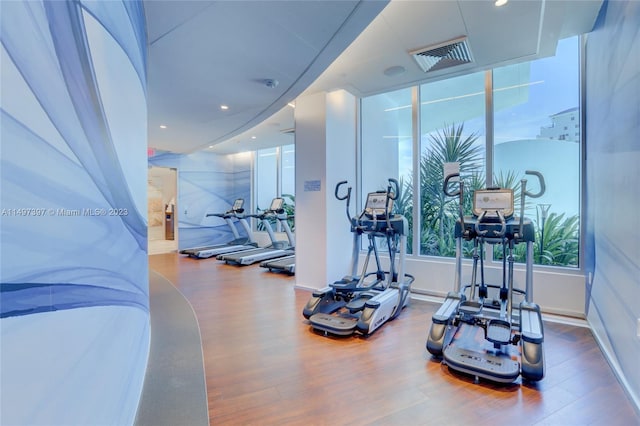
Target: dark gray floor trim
[(175, 391)]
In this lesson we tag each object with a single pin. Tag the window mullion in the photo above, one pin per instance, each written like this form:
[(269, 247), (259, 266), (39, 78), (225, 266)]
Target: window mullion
[(488, 96), (488, 161), (415, 119)]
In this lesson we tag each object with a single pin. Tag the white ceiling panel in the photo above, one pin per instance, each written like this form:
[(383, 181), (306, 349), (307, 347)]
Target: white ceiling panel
[(206, 53)]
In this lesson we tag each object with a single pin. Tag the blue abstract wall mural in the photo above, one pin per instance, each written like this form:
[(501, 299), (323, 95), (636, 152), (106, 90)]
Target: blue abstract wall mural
[(207, 183), (74, 307), (613, 155)]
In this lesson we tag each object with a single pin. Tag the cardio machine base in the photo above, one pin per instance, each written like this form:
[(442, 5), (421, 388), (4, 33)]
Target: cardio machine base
[(334, 324), (338, 316), (471, 354)]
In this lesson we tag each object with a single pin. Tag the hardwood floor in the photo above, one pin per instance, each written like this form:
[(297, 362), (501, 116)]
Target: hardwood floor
[(264, 365)]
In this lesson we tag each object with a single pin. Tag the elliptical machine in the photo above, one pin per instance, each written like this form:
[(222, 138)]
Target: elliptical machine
[(472, 332), (362, 303)]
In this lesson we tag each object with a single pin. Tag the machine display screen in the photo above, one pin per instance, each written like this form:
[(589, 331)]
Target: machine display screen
[(492, 201), (277, 204), (376, 203), (237, 204)]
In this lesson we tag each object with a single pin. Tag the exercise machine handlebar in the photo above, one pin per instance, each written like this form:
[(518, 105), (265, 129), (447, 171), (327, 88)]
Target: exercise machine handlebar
[(459, 193), (481, 219), (347, 196), (393, 190), (445, 186), (525, 193), (543, 187)]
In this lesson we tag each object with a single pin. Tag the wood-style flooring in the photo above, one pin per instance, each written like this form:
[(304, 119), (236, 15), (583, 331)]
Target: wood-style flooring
[(264, 365)]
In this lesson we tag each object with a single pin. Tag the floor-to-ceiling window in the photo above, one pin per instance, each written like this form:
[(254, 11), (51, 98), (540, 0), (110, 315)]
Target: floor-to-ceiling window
[(537, 127), (452, 124), (266, 177), (288, 179), (496, 124), (387, 142), (274, 171)]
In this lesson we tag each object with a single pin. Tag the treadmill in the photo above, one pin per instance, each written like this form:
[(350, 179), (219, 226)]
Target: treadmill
[(276, 249), (237, 244), (286, 264)]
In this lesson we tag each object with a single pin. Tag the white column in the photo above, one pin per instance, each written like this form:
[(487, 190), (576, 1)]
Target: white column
[(325, 155)]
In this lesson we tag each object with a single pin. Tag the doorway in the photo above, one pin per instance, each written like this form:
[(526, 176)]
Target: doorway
[(162, 196)]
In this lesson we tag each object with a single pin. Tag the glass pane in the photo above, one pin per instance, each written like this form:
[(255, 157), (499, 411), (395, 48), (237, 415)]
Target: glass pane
[(387, 148), (452, 120), (289, 179), (537, 127), (288, 170), (266, 178)]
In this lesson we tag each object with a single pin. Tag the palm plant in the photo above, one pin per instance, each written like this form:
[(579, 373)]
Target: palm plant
[(404, 205), (558, 240), (438, 211), (557, 244), (290, 209)]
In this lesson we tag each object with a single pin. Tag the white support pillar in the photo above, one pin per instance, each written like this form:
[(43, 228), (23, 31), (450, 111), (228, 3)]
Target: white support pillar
[(325, 155)]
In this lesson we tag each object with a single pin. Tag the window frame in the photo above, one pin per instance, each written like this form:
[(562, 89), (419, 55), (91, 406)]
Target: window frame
[(489, 166), (279, 164)]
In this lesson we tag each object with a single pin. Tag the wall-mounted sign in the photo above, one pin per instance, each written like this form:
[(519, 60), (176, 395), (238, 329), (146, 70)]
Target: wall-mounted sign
[(311, 185)]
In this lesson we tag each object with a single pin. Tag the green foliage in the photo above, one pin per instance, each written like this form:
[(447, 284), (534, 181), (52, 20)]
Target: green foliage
[(557, 244), (438, 211), (289, 208), (404, 205)]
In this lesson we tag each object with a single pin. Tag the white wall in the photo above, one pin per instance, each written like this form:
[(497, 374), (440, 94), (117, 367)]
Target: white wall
[(558, 291), (325, 155)]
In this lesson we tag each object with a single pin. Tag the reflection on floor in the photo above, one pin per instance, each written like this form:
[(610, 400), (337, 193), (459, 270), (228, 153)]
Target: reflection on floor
[(162, 246)]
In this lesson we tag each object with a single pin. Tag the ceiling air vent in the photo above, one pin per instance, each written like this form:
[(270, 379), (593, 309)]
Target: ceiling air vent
[(443, 55)]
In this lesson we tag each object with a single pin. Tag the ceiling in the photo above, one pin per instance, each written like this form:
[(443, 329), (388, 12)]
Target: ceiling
[(204, 54)]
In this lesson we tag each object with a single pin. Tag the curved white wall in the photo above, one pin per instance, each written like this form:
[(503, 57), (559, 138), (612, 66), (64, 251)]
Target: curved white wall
[(74, 302)]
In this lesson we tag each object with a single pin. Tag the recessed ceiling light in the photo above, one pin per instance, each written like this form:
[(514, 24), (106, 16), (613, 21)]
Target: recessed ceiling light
[(499, 3), (162, 126), (253, 137), (292, 104), (210, 146), (224, 107)]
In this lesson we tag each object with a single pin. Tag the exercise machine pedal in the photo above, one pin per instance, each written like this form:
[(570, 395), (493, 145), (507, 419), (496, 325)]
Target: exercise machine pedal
[(498, 332), (357, 304)]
